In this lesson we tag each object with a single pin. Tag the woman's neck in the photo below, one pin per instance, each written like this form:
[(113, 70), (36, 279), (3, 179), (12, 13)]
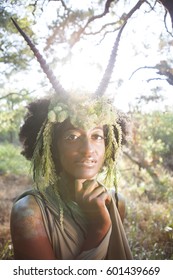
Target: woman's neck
[(67, 187)]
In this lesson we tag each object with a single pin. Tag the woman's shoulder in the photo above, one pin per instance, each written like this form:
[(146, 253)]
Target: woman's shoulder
[(25, 201), (26, 218), (24, 209), (28, 232)]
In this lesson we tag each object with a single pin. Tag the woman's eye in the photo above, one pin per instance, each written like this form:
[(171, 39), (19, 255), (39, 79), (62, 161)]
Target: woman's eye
[(71, 137), (98, 137)]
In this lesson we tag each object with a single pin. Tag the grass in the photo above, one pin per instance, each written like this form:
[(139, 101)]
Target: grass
[(6, 251), (149, 227)]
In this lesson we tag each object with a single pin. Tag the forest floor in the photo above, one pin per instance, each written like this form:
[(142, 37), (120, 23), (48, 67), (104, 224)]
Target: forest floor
[(11, 186)]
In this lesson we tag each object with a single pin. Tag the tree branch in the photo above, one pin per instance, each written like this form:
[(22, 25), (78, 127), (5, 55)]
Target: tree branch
[(77, 35), (62, 2), (165, 16), (168, 4), (11, 93), (151, 7), (123, 19), (108, 32), (163, 69), (140, 68), (35, 4), (106, 10), (144, 165), (155, 79)]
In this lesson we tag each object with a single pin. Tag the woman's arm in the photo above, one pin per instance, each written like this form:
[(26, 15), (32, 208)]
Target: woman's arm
[(28, 233), (94, 202)]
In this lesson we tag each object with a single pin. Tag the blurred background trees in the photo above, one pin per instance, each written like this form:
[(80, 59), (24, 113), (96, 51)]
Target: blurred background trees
[(76, 38)]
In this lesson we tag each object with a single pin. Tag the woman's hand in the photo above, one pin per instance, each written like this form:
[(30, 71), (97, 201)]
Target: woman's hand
[(94, 200)]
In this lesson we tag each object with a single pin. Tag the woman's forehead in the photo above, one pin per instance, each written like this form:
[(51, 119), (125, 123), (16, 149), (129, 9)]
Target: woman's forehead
[(68, 126)]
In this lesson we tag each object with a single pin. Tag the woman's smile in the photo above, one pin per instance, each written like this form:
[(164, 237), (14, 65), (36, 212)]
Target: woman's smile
[(86, 162)]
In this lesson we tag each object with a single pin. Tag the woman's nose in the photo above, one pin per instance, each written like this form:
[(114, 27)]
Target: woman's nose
[(86, 146)]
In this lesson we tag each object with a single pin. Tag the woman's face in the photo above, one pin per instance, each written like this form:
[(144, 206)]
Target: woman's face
[(81, 152)]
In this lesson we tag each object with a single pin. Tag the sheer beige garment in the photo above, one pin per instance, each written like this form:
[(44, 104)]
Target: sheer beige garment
[(67, 242)]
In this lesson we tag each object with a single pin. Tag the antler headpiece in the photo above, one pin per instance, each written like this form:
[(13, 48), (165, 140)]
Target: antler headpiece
[(92, 111)]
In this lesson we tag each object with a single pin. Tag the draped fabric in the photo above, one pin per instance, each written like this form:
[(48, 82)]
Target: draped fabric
[(67, 241)]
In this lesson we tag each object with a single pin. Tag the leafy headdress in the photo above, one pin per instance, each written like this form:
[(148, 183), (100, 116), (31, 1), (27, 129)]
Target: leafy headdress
[(94, 110)]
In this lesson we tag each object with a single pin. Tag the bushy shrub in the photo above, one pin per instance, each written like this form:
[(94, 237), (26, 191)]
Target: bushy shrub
[(12, 161)]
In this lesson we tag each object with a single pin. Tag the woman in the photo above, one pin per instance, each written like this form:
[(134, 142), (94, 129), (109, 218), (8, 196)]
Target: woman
[(71, 213)]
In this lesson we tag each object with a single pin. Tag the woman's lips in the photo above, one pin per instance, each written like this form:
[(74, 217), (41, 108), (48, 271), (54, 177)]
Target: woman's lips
[(88, 162)]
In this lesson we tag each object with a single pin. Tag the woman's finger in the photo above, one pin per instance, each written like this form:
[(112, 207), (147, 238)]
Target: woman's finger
[(97, 191), (89, 186), (78, 187)]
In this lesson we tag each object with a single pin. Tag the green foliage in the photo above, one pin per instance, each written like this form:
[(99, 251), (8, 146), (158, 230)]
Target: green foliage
[(150, 155), (6, 251), (12, 161), (146, 182), (155, 134), (12, 112), (149, 227), (14, 56)]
